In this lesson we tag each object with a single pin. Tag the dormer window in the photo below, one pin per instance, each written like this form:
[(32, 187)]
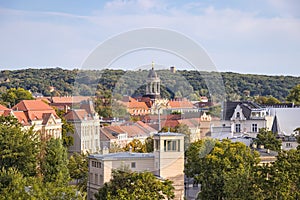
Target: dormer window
[(238, 115)]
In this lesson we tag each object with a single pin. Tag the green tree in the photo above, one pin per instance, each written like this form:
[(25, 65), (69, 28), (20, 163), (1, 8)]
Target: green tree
[(18, 148), (126, 185), (281, 179), (13, 185), (149, 144), (67, 128), (221, 168), (13, 96), (103, 101), (294, 95), (184, 129), (54, 163), (268, 139), (78, 168), (266, 100), (135, 146)]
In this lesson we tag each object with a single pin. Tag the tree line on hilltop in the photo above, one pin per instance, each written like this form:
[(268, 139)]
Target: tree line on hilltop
[(190, 84)]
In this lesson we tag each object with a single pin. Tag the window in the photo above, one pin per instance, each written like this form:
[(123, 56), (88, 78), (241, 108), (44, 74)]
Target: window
[(133, 165), (171, 145), (238, 115), (254, 128), (238, 128), (156, 145), (96, 178)]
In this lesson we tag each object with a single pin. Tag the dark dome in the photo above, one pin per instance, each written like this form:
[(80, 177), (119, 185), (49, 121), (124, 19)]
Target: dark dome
[(152, 73)]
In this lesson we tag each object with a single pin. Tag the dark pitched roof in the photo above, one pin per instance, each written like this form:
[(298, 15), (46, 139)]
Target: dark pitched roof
[(229, 107)]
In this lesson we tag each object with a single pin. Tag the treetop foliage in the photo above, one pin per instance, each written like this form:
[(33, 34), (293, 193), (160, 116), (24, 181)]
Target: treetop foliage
[(189, 84)]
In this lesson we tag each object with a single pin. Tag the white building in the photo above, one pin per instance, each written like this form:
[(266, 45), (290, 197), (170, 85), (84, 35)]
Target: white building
[(242, 118), (87, 129), (167, 162)]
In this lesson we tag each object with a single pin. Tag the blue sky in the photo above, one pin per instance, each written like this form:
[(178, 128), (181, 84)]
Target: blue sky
[(258, 36)]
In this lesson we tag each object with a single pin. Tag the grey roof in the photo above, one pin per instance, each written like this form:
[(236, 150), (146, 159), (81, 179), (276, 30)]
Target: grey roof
[(287, 119), (264, 152), (247, 106), (168, 134), (152, 74), (121, 155)]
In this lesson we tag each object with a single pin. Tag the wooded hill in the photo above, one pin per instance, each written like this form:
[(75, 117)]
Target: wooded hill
[(191, 84)]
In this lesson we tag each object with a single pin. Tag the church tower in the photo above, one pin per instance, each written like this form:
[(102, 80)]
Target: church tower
[(153, 84)]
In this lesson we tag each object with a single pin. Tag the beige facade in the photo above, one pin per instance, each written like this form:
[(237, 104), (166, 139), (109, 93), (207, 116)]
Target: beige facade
[(86, 124), (167, 162)]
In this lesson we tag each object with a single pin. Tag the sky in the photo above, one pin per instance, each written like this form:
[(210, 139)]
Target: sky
[(257, 36)]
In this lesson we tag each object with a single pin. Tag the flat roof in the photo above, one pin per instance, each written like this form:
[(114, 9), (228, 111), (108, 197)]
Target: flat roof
[(121, 155), (168, 134)]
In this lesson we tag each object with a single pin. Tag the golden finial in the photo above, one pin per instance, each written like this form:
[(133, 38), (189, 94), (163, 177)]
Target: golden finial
[(152, 64)]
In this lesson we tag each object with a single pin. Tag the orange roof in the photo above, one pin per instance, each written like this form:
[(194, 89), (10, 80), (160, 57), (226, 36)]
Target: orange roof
[(21, 116), (34, 109), (78, 114), (181, 104), (134, 131), (3, 107), (145, 126), (73, 99), (32, 105)]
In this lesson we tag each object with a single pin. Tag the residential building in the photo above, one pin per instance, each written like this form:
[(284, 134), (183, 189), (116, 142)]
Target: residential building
[(243, 118), (123, 134), (86, 124), (166, 162), (40, 115)]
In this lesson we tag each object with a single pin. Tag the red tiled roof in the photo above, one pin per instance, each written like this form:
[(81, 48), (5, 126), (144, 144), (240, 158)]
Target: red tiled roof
[(146, 126), (105, 134), (133, 104), (32, 105), (34, 109), (78, 114), (181, 104), (3, 107), (73, 99), (21, 116), (134, 131)]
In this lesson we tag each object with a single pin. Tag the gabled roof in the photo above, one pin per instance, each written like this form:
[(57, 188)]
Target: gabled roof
[(21, 116), (247, 107), (34, 109), (78, 115), (32, 105)]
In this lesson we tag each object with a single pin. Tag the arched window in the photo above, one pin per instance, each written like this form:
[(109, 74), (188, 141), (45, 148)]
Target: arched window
[(238, 115)]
